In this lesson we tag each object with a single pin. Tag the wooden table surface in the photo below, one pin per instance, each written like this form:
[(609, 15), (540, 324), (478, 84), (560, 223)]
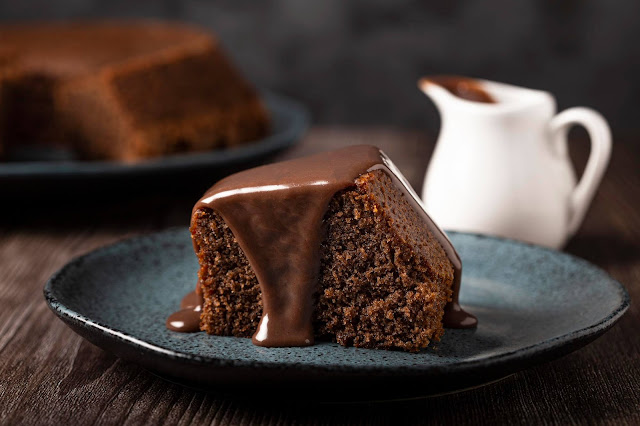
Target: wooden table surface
[(49, 375)]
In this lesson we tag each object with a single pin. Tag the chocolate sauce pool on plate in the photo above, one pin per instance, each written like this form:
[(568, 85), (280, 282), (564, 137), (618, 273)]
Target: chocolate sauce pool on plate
[(187, 319), (275, 212)]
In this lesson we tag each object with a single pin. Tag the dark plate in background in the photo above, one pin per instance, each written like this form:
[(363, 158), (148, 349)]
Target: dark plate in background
[(49, 171), (533, 305)]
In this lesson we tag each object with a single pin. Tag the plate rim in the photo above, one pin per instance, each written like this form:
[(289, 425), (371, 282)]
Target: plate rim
[(558, 344), (298, 117)]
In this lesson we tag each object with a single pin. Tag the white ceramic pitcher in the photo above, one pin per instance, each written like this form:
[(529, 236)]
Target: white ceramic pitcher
[(503, 168)]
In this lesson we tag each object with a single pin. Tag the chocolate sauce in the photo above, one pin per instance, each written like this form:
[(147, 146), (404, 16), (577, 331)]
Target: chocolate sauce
[(462, 87), (275, 213), (187, 319), (191, 300), (454, 315)]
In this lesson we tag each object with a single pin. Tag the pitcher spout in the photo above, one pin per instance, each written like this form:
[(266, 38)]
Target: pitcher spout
[(434, 91), (448, 90)]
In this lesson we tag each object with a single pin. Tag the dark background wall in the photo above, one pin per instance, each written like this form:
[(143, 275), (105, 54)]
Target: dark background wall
[(357, 62)]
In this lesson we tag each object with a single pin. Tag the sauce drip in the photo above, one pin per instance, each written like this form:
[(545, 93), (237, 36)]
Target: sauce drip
[(276, 211), (454, 315), (187, 319)]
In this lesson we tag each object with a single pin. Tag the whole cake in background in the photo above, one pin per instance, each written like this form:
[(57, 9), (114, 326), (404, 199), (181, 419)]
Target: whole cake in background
[(335, 246), (123, 90)]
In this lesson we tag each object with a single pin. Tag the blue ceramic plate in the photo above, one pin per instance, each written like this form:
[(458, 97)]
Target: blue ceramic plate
[(35, 167), (533, 305)]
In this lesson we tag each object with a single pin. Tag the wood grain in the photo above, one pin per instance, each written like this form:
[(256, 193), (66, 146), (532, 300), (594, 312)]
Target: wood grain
[(49, 375)]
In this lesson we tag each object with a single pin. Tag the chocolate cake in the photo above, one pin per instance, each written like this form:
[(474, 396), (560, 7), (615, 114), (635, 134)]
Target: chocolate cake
[(335, 246), (123, 90)]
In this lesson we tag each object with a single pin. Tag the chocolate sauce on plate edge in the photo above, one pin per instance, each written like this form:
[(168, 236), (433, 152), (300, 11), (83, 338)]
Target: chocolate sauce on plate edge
[(288, 292)]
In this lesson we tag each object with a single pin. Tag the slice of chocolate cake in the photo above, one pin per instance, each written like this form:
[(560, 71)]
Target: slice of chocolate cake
[(123, 90), (336, 245)]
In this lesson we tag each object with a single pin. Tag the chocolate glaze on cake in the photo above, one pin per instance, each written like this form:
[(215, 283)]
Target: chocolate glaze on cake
[(275, 212), (454, 315)]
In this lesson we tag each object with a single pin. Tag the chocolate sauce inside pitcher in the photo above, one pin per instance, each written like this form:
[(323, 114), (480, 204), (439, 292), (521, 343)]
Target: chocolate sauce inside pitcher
[(462, 87), (275, 212)]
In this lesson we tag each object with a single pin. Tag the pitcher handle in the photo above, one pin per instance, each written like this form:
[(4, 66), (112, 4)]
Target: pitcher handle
[(600, 136)]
